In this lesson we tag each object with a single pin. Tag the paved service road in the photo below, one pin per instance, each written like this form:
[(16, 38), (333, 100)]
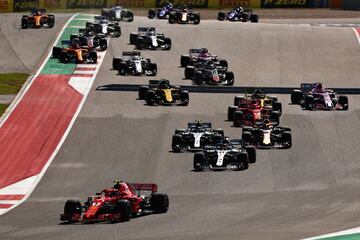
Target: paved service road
[(308, 190)]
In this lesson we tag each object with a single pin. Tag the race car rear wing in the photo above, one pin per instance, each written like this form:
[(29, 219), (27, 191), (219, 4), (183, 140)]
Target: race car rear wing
[(34, 10), (131, 53), (203, 125), (98, 18), (146, 29), (195, 51), (65, 43), (156, 82), (145, 187)]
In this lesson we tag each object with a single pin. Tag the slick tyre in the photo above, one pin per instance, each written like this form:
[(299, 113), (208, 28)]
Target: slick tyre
[(159, 202), (199, 160), (176, 142), (143, 91), (123, 207), (231, 111), (221, 16), (296, 96), (251, 154), (286, 140)]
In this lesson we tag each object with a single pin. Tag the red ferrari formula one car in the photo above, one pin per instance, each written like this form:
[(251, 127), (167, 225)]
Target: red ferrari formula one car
[(118, 203)]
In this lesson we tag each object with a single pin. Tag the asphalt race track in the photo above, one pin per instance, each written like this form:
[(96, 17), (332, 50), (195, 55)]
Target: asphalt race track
[(311, 189)]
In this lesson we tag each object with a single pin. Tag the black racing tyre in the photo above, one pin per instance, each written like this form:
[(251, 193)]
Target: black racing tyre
[(223, 63), (122, 69), (275, 117), (198, 78), (243, 161), (229, 76), (73, 36), (277, 106), (103, 44), (238, 99), (251, 153), (246, 137), (123, 207), (254, 18), (184, 60), (296, 96), (309, 101), (92, 57), (133, 37), (72, 207), (219, 131), (150, 97), (231, 111), (179, 130), (238, 118), (153, 69), (189, 72), (167, 42), (151, 13), (56, 52), (116, 63), (139, 43), (199, 161), (159, 202), (286, 139), (176, 142), (64, 57), (171, 18), (88, 24), (24, 22), (221, 16), (344, 102), (184, 97), (196, 19), (143, 91), (51, 20), (129, 16), (117, 31)]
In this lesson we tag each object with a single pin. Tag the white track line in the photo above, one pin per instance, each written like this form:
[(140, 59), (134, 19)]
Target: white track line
[(357, 35), (335, 234)]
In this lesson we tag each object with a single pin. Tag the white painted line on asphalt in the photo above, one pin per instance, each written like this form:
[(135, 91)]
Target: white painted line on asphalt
[(357, 35), (80, 84), (335, 234), (82, 72), (21, 187)]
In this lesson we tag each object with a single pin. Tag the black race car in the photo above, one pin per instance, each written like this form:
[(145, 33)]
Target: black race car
[(267, 136), (90, 40), (224, 156), (133, 64), (160, 92), (184, 15), (198, 55), (104, 26), (208, 73), (148, 38), (196, 136), (239, 14), (118, 13)]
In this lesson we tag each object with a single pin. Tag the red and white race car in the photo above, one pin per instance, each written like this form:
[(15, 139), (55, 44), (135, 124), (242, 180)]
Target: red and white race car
[(118, 203)]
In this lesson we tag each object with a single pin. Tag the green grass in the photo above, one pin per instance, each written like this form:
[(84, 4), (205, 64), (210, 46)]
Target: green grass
[(11, 83), (3, 107)]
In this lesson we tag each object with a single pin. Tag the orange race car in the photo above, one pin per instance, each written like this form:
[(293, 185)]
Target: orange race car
[(74, 53), (37, 18)]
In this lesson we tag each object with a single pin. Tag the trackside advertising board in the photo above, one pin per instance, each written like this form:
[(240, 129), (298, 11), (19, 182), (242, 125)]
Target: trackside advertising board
[(285, 3), (235, 3)]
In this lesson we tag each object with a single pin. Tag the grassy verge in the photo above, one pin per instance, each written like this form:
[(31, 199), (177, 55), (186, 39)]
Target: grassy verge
[(11, 83)]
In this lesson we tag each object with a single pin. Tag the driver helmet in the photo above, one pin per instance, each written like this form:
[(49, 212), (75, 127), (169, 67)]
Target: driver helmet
[(319, 86), (239, 9), (267, 123), (75, 43), (169, 5), (198, 124)]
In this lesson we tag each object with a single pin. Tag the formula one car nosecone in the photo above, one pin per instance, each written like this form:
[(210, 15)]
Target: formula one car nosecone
[(118, 203), (160, 92), (104, 26), (118, 13), (132, 63), (267, 136), (224, 156), (37, 18), (312, 96), (148, 38), (196, 136), (73, 52)]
